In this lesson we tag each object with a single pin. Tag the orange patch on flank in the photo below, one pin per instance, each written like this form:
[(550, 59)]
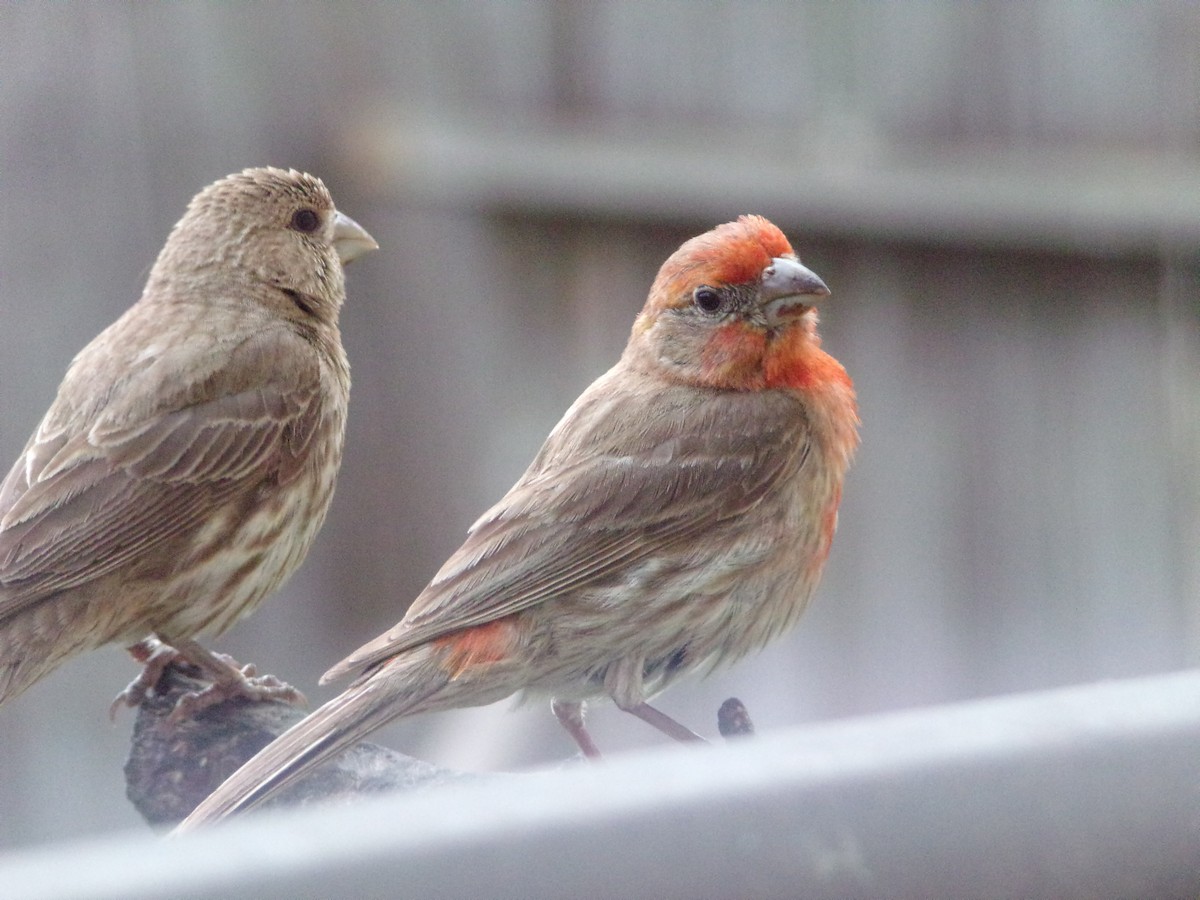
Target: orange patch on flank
[(477, 647)]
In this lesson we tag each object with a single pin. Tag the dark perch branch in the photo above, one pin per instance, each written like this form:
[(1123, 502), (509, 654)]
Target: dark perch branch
[(172, 765), (733, 720)]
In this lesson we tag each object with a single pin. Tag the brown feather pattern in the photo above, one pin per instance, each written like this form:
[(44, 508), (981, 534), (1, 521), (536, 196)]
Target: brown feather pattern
[(677, 518), (189, 458)]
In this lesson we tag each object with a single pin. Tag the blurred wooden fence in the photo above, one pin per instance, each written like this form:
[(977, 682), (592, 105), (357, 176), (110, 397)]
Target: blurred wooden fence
[(1004, 198)]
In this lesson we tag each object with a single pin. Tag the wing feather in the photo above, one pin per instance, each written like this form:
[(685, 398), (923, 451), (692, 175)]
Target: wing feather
[(85, 502), (602, 497)]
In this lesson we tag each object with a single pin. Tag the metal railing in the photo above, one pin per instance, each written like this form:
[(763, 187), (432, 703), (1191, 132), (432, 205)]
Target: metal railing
[(1090, 791)]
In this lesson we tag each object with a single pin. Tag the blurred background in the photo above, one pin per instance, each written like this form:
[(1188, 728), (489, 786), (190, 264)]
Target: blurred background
[(1003, 197)]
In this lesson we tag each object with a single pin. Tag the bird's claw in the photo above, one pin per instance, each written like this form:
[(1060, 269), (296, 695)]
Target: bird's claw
[(155, 657), (247, 685), (230, 679)]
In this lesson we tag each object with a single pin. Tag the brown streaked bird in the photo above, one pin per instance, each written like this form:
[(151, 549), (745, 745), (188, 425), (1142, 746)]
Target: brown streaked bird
[(677, 518), (189, 458)]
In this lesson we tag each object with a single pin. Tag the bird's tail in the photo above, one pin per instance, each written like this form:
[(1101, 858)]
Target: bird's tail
[(36, 640), (15, 676), (399, 687)]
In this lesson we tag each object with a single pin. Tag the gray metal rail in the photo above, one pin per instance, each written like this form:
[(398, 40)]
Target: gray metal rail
[(1089, 791)]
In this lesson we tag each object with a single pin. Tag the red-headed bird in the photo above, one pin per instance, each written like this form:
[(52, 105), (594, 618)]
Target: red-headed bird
[(677, 518)]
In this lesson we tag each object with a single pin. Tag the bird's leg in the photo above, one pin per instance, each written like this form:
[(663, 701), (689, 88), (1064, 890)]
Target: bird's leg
[(624, 682), (229, 679), (570, 716), (663, 722)]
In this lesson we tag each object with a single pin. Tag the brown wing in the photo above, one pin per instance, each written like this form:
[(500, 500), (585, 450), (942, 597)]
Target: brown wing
[(86, 501), (601, 497)]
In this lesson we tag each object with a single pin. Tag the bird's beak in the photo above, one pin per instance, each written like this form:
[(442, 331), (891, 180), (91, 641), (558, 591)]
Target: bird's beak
[(789, 290), (350, 239)]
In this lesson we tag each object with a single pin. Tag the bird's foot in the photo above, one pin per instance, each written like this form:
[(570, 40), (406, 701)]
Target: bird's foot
[(239, 682), (230, 680), (154, 656)]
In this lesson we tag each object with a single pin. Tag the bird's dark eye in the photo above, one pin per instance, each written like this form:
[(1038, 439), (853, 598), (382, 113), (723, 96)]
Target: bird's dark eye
[(707, 299), (306, 221)]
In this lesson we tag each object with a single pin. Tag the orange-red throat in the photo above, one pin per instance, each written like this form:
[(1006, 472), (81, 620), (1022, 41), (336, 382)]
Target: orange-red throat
[(740, 356)]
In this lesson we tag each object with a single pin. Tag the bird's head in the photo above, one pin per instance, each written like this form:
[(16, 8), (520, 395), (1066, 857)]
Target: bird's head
[(729, 309), (267, 227)]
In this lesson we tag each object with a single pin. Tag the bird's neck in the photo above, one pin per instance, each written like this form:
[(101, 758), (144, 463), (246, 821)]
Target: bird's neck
[(794, 361), (739, 356)]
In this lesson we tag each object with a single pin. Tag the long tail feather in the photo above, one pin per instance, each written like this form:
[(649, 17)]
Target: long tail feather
[(339, 724)]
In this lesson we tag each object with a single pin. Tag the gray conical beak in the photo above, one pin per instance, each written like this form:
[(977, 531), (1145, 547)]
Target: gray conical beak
[(350, 239), (789, 289)]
